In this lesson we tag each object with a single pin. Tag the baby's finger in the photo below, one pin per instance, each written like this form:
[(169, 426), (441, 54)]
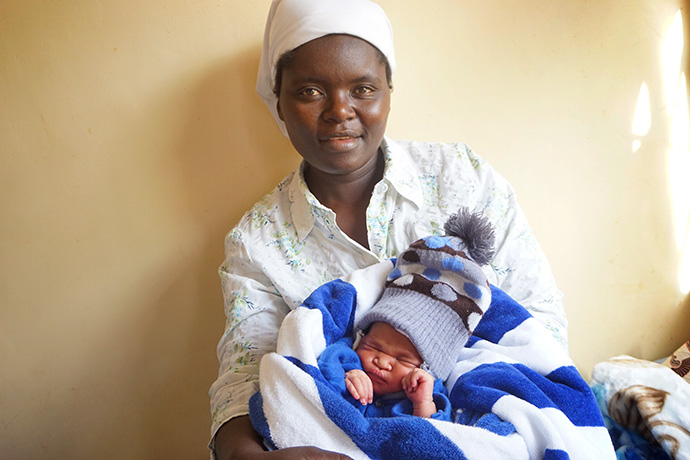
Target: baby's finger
[(413, 379), (406, 380), (365, 390), (352, 389)]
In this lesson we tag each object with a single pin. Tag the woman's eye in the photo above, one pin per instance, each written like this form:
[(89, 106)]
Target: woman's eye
[(364, 90), (310, 92)]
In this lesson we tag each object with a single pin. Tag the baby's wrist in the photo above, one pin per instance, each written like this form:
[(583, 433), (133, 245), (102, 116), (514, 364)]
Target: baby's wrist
[(424, 408), (425, 403)]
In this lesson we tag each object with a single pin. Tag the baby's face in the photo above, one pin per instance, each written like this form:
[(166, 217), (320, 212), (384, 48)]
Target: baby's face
[(387, 356)]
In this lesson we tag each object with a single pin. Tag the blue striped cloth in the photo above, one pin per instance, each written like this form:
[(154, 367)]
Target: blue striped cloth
[(515, 394)]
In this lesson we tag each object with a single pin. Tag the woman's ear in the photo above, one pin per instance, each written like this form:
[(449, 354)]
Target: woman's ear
[(280, 112)]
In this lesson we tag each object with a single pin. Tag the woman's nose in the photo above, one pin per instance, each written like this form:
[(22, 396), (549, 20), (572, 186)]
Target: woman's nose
[(339, 108)]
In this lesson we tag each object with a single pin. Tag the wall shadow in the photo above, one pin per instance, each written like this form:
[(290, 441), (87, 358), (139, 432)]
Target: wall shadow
[(230, 153), (227, 153)]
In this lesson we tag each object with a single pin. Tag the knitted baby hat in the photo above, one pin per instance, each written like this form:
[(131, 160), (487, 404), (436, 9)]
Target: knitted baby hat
[(437, 292)]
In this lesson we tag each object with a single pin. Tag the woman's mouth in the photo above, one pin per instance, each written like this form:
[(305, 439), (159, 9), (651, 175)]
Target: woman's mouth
[(341, 142)]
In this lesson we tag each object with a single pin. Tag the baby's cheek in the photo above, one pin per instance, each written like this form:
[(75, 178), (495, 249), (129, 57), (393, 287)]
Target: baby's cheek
[(361, 354)]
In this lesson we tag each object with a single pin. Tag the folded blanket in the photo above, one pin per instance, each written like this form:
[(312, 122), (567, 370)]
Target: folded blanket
[(515, 394), (645, 407), (679, 361)]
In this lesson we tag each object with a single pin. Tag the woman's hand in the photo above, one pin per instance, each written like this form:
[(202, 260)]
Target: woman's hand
[(237, 440), (419, 389), (359, 385), (301, 453)]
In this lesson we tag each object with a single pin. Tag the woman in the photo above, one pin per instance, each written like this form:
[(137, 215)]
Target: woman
[(358, 198)]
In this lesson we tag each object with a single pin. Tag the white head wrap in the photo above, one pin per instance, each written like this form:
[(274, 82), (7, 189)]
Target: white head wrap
[(292, 23)]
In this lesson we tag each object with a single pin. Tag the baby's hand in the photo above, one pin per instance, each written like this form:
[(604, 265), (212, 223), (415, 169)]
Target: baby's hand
[(359, 385), (419, 388)]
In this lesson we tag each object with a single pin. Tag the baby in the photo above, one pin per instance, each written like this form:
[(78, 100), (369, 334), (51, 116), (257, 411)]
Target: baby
[(391, 364), (433, 299)]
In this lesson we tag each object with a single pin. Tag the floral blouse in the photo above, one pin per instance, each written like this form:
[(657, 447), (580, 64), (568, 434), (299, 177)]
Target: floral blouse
[(288, 244)]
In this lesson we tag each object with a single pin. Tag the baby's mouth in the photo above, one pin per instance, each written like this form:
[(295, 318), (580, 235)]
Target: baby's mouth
[(377, 375)]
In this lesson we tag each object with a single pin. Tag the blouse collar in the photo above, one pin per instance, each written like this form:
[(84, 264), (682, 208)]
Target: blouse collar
[(399, 171)]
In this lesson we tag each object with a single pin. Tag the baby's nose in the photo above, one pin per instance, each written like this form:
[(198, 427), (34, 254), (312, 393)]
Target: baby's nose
[(383, 362)]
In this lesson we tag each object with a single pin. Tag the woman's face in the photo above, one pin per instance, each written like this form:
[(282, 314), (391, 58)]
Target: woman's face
[(335, 100)]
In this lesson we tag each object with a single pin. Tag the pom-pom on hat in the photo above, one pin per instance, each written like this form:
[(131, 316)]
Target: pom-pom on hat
[(437, 292)]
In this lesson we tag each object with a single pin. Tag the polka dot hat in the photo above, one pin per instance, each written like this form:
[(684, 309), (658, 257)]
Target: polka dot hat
[(437, 292)]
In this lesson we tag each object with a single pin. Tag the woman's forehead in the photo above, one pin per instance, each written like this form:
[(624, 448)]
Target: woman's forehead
[(337, 52), (337, 46)]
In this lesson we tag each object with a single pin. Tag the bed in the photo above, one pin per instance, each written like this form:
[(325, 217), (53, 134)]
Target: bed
[(646, 405)]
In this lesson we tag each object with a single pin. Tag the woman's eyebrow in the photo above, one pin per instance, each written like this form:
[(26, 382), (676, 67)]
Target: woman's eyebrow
[(368, 76), (301, 79)]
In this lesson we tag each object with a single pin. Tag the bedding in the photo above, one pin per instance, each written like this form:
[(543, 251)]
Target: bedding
[(646, 406), (515, 394)]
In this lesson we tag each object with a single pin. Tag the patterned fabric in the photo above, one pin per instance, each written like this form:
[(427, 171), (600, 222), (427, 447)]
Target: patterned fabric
[(645, 407), (679, 361), (288, 244)]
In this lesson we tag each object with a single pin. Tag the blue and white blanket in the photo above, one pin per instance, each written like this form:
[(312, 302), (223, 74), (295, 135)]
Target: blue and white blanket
[(515, 393)]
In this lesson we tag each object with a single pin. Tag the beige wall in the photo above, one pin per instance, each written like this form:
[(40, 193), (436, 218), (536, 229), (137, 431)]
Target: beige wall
[(132, 140)]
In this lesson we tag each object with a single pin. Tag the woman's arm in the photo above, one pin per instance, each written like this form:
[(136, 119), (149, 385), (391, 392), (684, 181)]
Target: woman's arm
[(254, 311), (520, 266), (237, 440)]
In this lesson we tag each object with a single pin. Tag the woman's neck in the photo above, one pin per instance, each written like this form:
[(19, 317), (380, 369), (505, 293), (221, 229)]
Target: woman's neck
[(348, 196)]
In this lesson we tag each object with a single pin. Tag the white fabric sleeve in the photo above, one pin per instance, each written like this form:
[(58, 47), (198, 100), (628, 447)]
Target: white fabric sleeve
[(520, 266), (254, 311)]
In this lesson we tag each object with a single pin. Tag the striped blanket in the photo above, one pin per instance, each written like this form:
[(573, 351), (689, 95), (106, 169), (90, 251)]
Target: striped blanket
[(515, 394)]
